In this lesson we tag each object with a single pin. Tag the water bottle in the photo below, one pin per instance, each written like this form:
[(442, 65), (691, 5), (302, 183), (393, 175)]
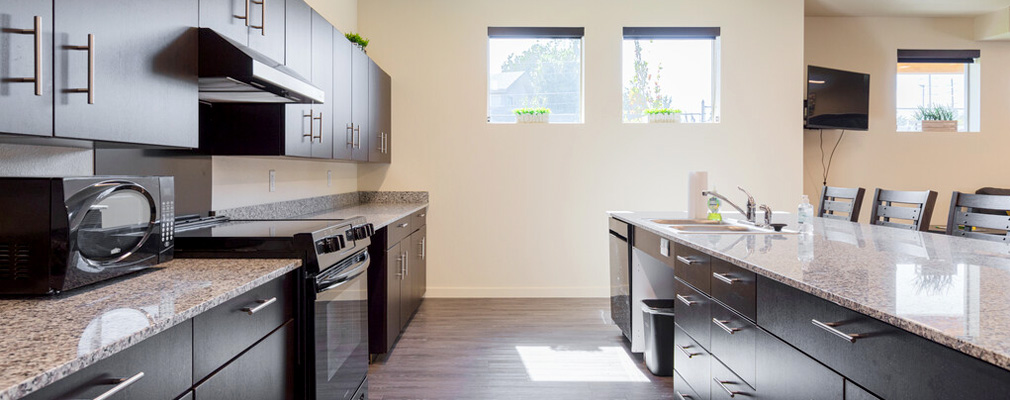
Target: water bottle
[(805, 216)]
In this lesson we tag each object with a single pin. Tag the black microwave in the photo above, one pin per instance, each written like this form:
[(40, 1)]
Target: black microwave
[(57, 234)]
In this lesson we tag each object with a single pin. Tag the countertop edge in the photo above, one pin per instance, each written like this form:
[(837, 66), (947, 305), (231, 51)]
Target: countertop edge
[(914, 328), (29, 386), (418, 207)]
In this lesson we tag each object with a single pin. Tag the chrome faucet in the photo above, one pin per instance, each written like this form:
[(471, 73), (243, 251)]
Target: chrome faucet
[(751, 204), (768, 216)]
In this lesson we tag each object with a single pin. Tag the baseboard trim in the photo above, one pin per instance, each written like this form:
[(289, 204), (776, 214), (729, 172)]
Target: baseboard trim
[(513, 292)]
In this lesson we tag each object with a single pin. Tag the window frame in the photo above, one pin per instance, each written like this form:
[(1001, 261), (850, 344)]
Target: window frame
[(531, 32), (972, 79), (713, 33)]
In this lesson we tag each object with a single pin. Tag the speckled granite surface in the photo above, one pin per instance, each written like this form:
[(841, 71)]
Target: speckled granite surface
[(295, 208), (379, 215), (951, 290), (43, 339)]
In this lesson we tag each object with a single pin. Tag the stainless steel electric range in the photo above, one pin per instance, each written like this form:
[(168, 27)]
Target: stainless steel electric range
[(333, 335)]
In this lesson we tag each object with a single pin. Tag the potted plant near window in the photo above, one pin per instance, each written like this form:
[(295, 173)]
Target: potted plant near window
[(538, 115), (936, 118), (662, 115), (357, 40)]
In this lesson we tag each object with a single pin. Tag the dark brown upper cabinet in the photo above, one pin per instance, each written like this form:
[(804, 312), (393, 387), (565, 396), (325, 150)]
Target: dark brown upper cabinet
[(259, 24), (322, 77), (298, 38), (26, 76), (379, 117), (360, 68), (340, 101)]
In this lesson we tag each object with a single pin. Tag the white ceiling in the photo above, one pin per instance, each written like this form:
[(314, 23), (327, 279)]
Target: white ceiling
[(903, 8)]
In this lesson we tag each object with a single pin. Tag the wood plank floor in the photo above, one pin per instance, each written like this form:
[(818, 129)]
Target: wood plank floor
[(491, 349)]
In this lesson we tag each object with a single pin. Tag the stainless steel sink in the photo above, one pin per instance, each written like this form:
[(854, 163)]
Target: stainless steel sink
[(687, 222)]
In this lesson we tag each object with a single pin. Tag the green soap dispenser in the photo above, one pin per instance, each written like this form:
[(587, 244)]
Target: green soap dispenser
[(713, 208)]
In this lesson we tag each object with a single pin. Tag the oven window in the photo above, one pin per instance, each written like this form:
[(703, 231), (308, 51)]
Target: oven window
[(115, 226), (341, 335)]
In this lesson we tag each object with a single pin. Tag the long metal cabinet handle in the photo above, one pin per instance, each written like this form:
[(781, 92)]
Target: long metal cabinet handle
[(830, 327), (685, 300), (37, 33), (682, 396), (310, 135), (724, 387), (90, 48), (121, 384), (246, 16), (722, 324), (320, 119), (349, 135), (403, 225), (399, 259), (262, 304), (424, 240), (357, 137), (263, 13), (724, 278), (688, 261), (406, 263), (686, 351)]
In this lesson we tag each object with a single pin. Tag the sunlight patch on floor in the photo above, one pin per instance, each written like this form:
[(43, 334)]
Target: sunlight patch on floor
[(557, 364)]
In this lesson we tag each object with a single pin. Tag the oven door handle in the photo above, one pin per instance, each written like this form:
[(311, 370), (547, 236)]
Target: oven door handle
[(354, 273)]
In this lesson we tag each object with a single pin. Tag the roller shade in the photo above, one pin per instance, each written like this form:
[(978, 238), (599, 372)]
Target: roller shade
[(938, 56), (678, 32), (534, 32)]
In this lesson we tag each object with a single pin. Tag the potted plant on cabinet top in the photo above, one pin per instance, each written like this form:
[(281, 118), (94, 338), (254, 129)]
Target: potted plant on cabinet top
[(357, 40), (936, 118), (537, 115), (662, 115)]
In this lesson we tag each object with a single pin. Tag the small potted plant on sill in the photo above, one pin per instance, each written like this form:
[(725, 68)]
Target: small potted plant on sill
[(662, 115), (538, 115), (357, 40), (936, 118)]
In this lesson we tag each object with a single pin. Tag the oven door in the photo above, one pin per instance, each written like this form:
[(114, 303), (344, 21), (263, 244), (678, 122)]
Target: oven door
[(341, 328)]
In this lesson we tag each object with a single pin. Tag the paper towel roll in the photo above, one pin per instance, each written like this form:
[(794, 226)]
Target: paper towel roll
[(697, 182)]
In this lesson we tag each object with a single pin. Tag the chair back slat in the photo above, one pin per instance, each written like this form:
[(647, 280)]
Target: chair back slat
[(919, 210), (985, 211), (830, 204)]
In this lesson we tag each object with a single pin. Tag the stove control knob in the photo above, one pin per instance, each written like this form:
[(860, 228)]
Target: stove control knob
[(369, 229)]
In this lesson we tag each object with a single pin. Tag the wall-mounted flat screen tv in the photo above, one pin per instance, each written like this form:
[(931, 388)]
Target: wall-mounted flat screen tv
[(837, 99)]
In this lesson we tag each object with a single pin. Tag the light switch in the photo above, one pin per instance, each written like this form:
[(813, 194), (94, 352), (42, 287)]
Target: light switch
[(273, 178), (664, 247)]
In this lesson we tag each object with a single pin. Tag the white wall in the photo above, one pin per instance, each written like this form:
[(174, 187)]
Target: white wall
[(23, 160), (882, 157), (343, 14), (244, 181), (518, 210)]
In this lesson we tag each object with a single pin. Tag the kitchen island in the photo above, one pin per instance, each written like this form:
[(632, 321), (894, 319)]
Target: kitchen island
[(898, 313)]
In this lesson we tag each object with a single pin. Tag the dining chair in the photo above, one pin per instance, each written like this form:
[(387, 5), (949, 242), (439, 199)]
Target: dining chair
[(836, 200), (979, 216), (917, 208)]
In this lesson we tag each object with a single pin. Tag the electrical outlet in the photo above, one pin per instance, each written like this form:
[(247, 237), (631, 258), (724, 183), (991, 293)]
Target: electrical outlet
[(273, 180), (329, 178)]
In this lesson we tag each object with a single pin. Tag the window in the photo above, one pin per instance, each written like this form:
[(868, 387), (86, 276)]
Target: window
[(938, 79), (535, 67), (675, 68)]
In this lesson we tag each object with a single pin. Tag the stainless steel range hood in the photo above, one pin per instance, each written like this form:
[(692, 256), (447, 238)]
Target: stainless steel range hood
[(233, 73)]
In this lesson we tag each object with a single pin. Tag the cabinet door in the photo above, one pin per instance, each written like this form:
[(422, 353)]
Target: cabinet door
[(785, 373), (138, 81), (394, 274), (226, 17), (322, 77), (299, 128), (343, 128), (360, 103), (26, 74), (264, 372), (378, 114), (298, 38), (266, 23)]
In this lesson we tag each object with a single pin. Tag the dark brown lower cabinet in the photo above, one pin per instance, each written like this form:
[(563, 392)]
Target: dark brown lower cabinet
[(187, 396), (159, 367), (786, 373), (397, 281), (264, 372), (853, 392)]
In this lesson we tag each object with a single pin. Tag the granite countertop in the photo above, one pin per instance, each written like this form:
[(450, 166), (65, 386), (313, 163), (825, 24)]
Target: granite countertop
[(378, 214), (43, 339), (951, 290)]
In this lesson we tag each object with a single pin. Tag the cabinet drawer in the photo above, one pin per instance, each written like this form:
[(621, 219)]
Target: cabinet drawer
[(164, 359), (734, 287), (619, 227), (691, 363), (734, 342), (693, 313), (264, 372), (419, 218), (853, 392), (221, 333), (784, 373), (399, 230), (693, 267), (886, 360), (726, 385), (683, 391), (653, 245)]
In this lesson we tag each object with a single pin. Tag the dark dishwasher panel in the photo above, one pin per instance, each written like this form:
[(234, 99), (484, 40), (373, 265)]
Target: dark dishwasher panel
[(620, 276)]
